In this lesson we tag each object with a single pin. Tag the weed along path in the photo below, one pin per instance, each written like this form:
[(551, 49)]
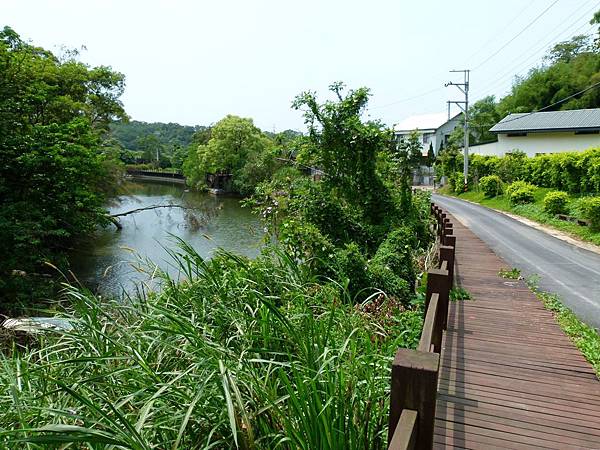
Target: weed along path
[(572, 273), (508, 377)]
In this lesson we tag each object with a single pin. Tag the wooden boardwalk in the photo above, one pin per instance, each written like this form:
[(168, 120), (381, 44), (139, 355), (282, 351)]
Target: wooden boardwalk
[(509, 377)]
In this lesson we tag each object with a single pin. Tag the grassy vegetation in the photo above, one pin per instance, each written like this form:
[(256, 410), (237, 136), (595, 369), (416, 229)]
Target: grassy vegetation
[(583, 336), (459, 293), (511, 274), (533, 211), (247, 353)]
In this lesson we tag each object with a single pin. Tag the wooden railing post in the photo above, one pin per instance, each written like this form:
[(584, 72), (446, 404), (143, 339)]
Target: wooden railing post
[(449, 231), (414, 387), (451, 241), (438, 281), (447, 254)]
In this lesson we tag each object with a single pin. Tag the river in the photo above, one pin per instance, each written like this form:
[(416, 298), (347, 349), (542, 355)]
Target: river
[(109, 261)]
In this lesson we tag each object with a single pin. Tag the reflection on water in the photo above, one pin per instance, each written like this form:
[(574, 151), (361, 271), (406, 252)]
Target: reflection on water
[(107, 261)]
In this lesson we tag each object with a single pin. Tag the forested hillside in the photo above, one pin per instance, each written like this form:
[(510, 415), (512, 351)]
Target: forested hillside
[(569, 78), (158, 143), (129, 133)]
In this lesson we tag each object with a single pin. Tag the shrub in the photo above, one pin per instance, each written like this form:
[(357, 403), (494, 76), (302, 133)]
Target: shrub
[(590, 208), (351, 266), (491, 186), (392, 268), (520, 192), (513, 166), (456, 182), (556, 202)]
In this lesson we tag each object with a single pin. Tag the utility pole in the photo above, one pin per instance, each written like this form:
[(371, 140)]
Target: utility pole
[(464, 106)]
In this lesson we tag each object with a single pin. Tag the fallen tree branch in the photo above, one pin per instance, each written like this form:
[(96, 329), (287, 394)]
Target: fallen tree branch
[(133, 211), (113, 218)]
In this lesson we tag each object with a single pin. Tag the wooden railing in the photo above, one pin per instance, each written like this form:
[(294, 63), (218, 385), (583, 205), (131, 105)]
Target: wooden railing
[(156, 173), (414, 382)]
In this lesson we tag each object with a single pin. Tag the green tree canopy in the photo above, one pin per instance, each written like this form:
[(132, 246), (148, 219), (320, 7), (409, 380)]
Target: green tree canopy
[(235, 145), (345, 147), (52, 116)]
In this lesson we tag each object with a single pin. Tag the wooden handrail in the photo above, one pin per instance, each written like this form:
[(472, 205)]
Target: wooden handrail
[(430, 325), (415, 373), (405, 436)]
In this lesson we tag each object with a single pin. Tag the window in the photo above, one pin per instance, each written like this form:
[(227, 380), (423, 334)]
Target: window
[(516, 134), (586, 132)]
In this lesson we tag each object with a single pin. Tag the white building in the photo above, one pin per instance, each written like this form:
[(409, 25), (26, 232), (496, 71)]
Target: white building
[(432, 129), (544, 132)]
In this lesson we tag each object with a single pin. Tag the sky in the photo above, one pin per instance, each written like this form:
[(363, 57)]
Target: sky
[(193, 62)]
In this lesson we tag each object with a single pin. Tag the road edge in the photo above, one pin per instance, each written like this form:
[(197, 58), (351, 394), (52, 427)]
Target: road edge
[(561, 235)]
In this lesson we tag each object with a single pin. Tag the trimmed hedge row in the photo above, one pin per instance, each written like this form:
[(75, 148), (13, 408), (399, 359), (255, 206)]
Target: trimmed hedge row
[(573, 172)]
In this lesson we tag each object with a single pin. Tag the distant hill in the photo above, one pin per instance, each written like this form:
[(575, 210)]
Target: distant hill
[(170, 135)]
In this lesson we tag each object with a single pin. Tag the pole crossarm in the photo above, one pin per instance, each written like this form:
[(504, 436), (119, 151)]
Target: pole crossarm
[(464, 88)]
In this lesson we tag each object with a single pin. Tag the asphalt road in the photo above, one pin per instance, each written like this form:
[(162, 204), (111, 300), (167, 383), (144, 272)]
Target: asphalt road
[(571, 272)]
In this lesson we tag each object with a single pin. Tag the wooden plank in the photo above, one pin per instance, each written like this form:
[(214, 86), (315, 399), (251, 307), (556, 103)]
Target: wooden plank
[(503, 414), (429, 326), (405, 436), (509, 377)]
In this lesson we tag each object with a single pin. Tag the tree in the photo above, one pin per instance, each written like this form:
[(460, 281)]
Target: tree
[(483, 115), (408, 156), (234, 142), (52, 165), (151, 147), (430, 155), (567, 50), (346, 148)]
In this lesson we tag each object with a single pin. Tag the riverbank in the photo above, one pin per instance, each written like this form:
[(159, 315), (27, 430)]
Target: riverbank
[(113, 262)]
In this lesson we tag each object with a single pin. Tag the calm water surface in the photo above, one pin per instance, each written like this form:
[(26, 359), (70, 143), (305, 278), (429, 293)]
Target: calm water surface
[(107, 262)]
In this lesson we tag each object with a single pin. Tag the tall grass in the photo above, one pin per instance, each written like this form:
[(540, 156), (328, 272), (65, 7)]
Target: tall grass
[(240, 354)]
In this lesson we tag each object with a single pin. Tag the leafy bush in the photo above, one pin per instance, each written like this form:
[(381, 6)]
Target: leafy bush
[(351, 267), (556, 202), (491, 186), (456, 182), (520, 192), (590, 208), (459, 293), (513, 166), (393, 267)]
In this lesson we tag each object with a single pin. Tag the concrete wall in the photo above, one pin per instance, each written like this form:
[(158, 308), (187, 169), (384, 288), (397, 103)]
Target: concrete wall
[(536, 143)]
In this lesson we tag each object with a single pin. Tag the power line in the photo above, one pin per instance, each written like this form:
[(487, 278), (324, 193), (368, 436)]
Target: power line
[(495, 35), (523, 66), (517, 35), (407, 99), (511, 71)]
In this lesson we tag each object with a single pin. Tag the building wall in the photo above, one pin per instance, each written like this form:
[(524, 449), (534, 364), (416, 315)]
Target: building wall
[(445, 130), (425, 137), (536, 143)]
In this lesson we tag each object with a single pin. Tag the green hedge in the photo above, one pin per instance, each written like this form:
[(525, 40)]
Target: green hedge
[(573, 172)]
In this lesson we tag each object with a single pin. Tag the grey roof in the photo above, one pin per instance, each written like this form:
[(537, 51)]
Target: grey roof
[(576, 119)]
